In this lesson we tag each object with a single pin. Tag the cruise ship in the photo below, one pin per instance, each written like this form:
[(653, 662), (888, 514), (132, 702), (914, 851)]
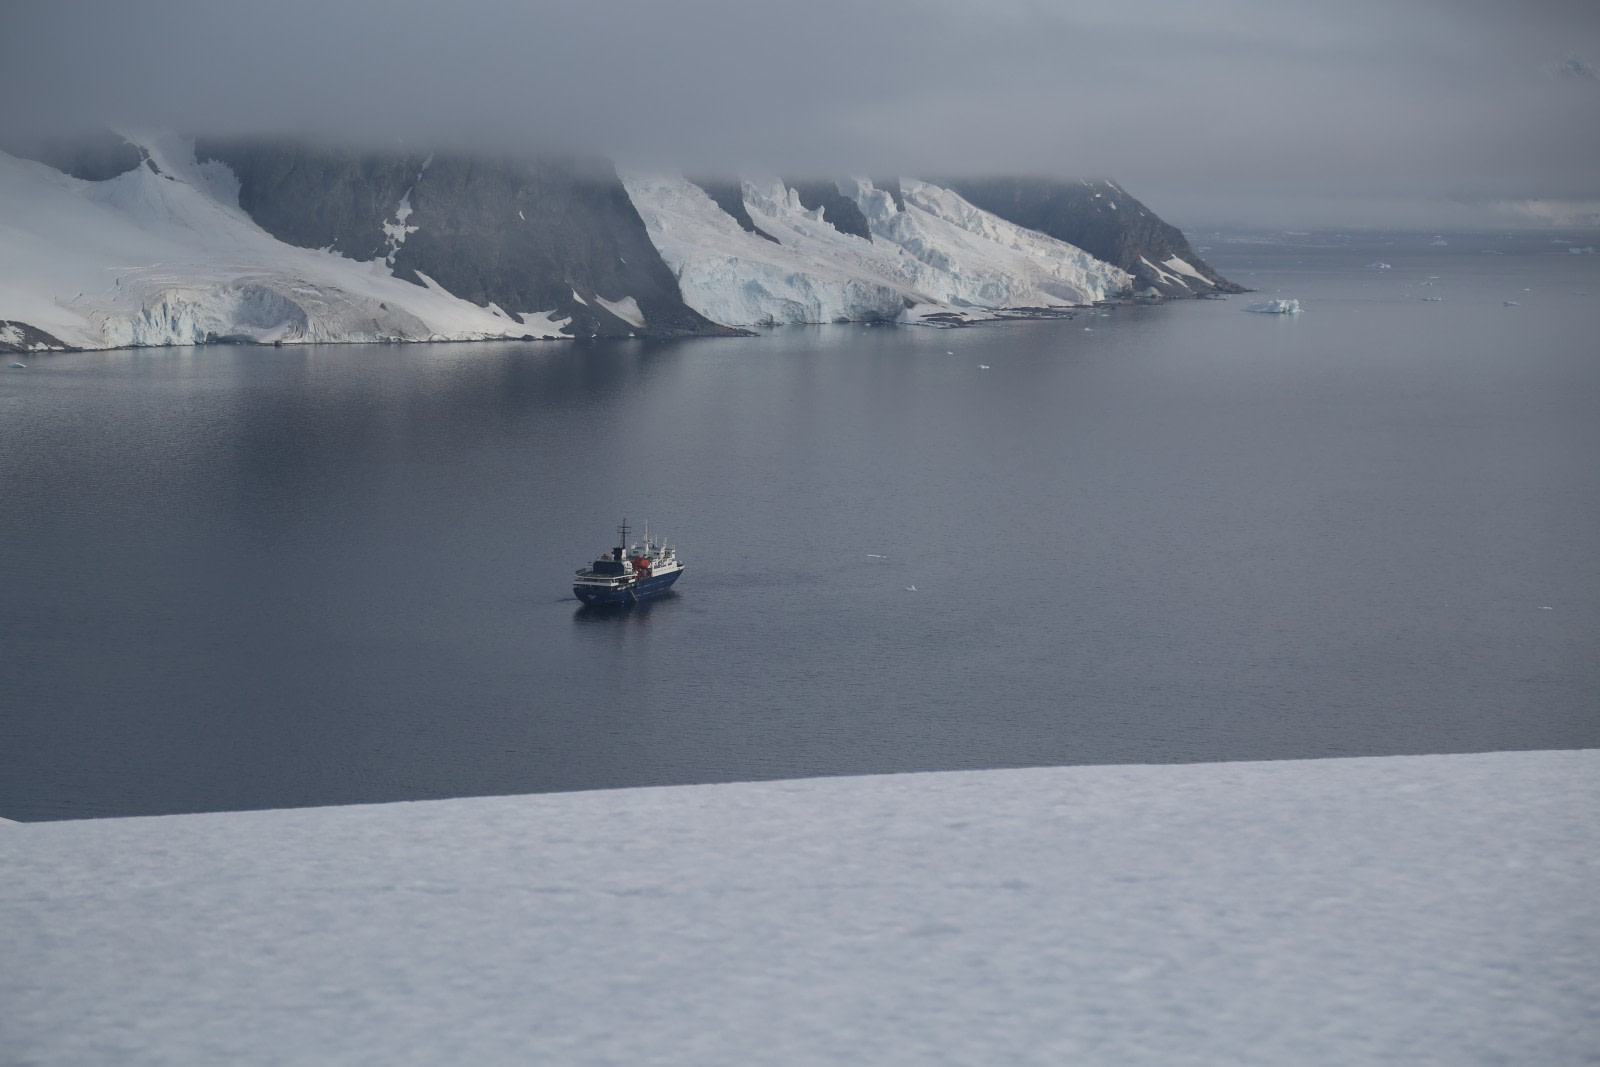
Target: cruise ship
[(628, 574)]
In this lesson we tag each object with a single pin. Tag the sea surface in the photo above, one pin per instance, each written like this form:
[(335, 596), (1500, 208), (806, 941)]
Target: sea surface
[(248, 577)]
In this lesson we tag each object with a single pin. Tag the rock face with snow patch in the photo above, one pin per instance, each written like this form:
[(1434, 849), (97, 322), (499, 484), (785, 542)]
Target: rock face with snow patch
[(1102, 219), (547, 232)]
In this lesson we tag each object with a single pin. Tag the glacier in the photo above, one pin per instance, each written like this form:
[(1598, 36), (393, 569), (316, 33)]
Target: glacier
[(937, 258), (163, 255)]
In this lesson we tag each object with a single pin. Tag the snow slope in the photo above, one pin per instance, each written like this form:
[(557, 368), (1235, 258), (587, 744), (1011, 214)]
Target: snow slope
[(165, 256), (1430, 909), (937, 255)]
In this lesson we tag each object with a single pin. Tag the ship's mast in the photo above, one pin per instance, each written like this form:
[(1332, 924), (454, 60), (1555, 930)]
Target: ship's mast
[(622, 536)]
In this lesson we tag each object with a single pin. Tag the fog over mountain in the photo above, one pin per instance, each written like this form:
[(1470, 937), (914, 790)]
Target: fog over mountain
[(1430, 113)]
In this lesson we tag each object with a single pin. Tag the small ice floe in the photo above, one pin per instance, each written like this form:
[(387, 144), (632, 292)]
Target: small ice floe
[(1546, 607), (1276, 307), (948, 352), (911, 589), (983, 366), (19, 366), (1511, 303), (1088, 329), (1379, 264), (1433, 299), (874, 555), (1438, 242), (1586, 250)]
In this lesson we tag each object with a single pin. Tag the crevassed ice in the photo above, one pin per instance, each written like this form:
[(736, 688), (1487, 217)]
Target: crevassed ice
[(940, 252)]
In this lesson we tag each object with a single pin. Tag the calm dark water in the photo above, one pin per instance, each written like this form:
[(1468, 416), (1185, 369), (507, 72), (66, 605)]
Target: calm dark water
[(254, 577)]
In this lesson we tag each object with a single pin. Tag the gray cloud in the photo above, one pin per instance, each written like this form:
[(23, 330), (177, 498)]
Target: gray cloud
[(1317, 113)]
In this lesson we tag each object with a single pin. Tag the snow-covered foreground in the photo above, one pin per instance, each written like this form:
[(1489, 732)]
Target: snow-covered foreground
[(939, 255), (169, 258), (1436, 909)]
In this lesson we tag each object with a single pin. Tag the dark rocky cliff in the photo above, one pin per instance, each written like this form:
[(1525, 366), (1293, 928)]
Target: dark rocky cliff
[(1103, 220), (523, 233), (95, 157)]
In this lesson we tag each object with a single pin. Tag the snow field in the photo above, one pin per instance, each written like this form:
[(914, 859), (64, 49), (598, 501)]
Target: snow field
[(1429, 909)]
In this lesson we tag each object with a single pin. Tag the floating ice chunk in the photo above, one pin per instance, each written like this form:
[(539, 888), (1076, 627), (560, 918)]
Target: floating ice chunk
[(19, 366), (1379, 264), (1511, 303), (983, 366), (1276, 307), (1439, 242), (1586, 250)]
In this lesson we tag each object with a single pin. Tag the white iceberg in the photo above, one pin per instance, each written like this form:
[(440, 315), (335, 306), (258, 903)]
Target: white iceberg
[(1379, 264), (1276, 307)]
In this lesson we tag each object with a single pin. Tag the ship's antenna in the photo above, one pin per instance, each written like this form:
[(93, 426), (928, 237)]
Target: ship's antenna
[(622, 534)]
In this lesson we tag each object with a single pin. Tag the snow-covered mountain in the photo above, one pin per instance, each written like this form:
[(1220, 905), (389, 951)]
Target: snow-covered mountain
[(159, 240), (162, 254), (927, 253)]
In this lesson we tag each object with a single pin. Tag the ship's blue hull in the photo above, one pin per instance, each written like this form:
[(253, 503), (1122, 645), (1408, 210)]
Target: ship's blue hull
[(643, 589)]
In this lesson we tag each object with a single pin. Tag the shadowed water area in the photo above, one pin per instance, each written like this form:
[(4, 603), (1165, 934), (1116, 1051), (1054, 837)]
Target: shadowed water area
[(241, 577)]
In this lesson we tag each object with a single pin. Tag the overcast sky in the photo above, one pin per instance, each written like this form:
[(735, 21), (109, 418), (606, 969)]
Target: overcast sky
[(1365, 112)]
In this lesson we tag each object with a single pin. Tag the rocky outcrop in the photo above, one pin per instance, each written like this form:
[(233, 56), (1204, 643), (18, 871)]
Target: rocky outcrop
[(17, 337), (1103, 220)]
